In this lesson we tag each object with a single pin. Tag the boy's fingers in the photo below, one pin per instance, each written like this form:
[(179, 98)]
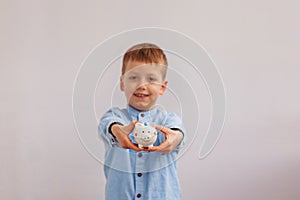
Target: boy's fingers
[(161, 146), (132, 123), (133, 147), (130, 127), (160, 128), (163, 129)]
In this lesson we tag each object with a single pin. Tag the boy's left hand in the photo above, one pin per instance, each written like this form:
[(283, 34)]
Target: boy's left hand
[(173, 138)]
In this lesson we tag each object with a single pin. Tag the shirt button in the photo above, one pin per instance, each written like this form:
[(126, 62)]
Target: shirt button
[(142, 115), (138, 195), (139, 174), (140, 154)]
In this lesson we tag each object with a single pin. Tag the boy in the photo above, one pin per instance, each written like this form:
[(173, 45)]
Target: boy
[(131, 172)]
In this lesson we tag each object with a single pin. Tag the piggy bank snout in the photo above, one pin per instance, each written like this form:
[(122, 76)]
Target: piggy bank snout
[(147, 137)]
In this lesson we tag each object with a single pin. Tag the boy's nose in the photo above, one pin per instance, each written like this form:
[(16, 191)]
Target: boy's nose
[(142, 84)]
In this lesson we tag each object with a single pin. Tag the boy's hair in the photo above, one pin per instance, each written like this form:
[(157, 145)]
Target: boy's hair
[(145, 52)]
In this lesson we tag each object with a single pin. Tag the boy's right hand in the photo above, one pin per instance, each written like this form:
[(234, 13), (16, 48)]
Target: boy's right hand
[(122, 135)]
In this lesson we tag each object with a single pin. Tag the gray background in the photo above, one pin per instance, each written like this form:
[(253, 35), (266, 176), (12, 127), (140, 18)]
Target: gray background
[(255, 45)]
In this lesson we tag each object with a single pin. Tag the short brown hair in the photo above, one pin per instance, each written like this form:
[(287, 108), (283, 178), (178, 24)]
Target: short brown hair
[(145, 52)]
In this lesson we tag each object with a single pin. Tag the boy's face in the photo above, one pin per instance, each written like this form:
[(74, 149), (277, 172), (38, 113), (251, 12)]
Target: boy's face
[(142, 83)]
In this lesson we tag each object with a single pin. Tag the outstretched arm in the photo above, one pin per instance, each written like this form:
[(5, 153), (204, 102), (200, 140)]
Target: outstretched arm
[(173, 138), (122, 135)]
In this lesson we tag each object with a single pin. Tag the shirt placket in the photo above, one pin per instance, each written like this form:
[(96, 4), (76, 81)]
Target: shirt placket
[(141, 158), (139, 179)]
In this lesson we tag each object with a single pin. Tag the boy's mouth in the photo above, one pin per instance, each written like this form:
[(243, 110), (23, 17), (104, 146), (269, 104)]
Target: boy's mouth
[(140, 95)]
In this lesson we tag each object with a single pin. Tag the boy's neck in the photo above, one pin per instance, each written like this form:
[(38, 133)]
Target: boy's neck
[(141, 110)]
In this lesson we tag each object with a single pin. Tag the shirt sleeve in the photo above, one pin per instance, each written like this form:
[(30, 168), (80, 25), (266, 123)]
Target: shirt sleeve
[(114, 115), (175, 123)]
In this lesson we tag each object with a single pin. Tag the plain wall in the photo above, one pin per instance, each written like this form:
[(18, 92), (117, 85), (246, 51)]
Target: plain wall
[(255, 45)]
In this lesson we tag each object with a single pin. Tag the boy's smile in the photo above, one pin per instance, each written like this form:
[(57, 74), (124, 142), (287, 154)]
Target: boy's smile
[(140, 96), (142, 84)]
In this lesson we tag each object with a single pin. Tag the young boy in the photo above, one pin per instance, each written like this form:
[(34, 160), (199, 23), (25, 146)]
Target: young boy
[(131, 172)]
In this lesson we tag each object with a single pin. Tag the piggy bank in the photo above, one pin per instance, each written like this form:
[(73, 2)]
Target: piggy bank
[(144, 134)]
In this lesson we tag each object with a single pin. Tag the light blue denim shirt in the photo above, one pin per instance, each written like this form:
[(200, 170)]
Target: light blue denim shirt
[(139, 175)]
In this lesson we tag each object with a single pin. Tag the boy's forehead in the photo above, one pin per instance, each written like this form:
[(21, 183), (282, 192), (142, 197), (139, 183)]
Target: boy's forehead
[(142, 67)]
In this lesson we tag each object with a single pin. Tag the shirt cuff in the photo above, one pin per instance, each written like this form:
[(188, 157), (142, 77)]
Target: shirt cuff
[(114, 139), (180, 145), (177, 129)]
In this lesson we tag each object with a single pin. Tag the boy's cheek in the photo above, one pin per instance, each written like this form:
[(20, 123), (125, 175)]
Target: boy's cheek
[(132, 88), (129, 93), (129, 85)]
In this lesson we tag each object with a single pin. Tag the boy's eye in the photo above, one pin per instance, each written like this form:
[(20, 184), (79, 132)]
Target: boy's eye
[(132, 77), (151, 78)]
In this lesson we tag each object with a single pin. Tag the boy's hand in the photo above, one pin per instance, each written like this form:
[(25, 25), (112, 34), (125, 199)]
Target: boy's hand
[(173, 138), (122, 135)]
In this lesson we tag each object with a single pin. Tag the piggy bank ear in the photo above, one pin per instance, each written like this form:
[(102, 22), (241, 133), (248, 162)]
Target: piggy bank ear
[(138, 124)]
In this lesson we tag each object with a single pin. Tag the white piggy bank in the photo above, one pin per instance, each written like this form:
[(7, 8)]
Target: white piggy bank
[(144, 134)]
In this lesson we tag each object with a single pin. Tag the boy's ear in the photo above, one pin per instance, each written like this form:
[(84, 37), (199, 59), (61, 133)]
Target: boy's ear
[(121, 83), (163, 87)]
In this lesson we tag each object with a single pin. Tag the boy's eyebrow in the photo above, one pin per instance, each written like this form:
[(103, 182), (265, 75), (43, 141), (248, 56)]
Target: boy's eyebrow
[(151, 74), (141, 73), (130, 73), (154, 74)]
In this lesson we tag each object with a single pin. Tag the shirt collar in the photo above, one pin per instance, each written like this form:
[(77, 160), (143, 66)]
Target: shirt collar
[(134, 112)]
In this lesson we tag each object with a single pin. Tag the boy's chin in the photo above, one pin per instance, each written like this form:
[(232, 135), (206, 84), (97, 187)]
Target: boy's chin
[(141, 107)]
